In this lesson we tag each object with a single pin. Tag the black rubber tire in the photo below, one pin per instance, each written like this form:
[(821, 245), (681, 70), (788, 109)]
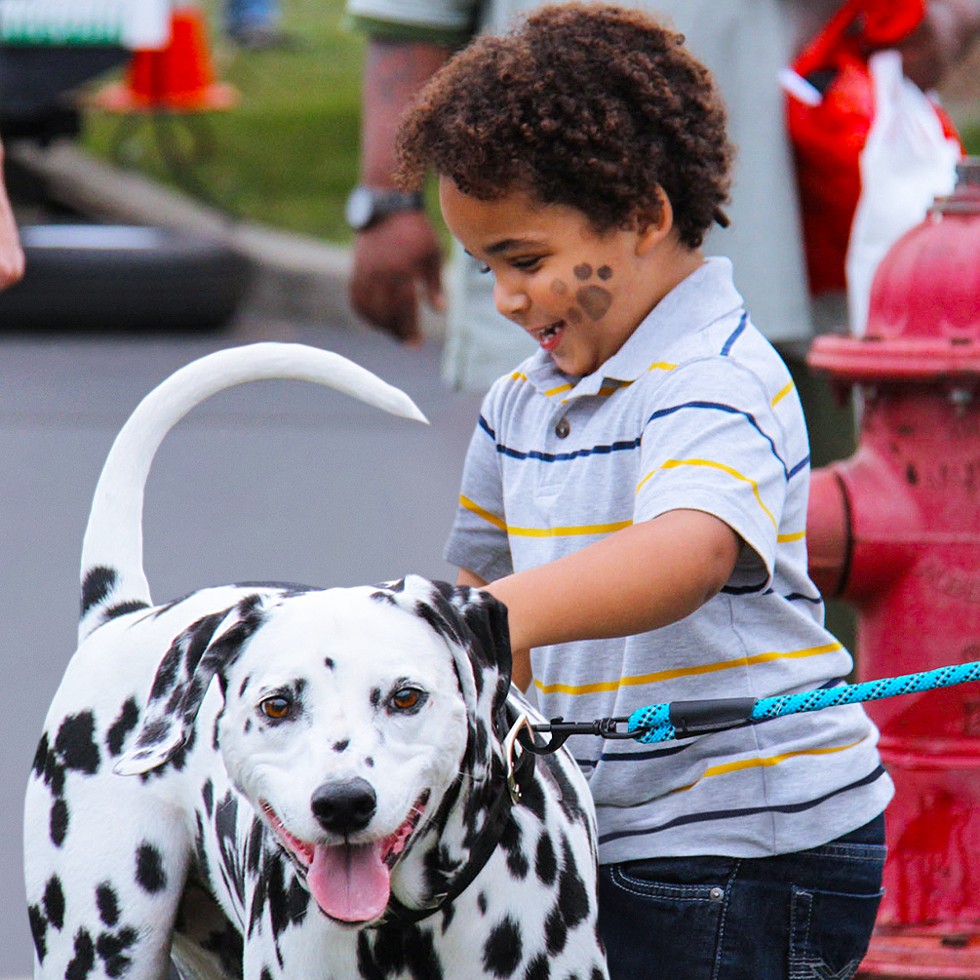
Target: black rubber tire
[(123, 279)]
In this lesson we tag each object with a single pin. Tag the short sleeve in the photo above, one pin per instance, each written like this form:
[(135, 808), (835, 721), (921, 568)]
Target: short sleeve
[(711, 442), (478, 540)]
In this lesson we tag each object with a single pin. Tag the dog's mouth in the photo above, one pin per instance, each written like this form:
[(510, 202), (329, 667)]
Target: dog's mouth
[(350, 882)]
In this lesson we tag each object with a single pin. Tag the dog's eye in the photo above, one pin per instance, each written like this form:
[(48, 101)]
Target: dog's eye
[(276, 707), (407, 698)]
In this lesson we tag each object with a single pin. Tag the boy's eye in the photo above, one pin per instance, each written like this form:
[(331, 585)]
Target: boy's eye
[(526, 265)]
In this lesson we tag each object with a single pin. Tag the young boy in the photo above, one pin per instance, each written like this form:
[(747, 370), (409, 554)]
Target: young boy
[(636, 494)]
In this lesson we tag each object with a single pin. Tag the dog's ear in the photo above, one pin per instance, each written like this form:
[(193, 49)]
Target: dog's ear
[(200, 653), (474, 625)]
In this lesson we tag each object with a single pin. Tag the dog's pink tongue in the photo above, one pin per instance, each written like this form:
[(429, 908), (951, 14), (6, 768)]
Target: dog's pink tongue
[(350, 882)]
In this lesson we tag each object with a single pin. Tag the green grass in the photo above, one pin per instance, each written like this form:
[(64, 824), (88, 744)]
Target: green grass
[(286, 155)]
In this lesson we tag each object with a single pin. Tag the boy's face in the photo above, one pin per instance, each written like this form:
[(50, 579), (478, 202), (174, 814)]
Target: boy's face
[(580, 294)]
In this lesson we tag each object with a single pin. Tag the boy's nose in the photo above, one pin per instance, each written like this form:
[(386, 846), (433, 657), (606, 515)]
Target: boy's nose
[(509, 302)]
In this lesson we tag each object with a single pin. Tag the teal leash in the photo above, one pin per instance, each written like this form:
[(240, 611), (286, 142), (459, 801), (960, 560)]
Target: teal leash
[(684, 719), (680, 719)]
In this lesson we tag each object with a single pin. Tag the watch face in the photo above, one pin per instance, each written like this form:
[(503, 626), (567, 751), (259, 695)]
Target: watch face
[(360, 207)]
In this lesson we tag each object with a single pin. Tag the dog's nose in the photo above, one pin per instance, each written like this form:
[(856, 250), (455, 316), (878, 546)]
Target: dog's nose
[(344, 808)]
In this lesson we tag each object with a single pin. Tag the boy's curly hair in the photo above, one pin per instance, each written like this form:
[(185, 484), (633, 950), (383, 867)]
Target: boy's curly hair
[(587, 105)]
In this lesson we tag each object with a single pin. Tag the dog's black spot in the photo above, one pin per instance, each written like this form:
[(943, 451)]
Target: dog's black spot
[(397, 951), (226, 829), (287, 906), (481, 903), (512, 842), (58, 821), (538, 969), (154, 733), (532, 796), (39, 931), (503, 949), (369, 762), (54, 902), (573, 897), (253, 851), (596, 974), (375, 697), (97, 584), (555, 931), (342, 745), (112, 948), (207, 795), (448, 914), (166, 676), (107, 903), (247, 726), (125, 722), (150, 875), (266, 974), (203, 867), (41, 757), (122, 608), (243, 687), (568, 795), (328, 662), (83, 961), (75, 743), (545, 860)]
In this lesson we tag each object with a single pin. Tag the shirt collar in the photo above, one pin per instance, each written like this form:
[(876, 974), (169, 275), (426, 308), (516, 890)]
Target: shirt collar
[(705, 296)]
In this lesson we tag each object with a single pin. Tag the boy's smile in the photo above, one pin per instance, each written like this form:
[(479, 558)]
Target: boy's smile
[(578, 292)]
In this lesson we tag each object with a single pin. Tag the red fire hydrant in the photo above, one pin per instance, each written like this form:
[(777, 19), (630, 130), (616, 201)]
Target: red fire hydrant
[(896, 530)]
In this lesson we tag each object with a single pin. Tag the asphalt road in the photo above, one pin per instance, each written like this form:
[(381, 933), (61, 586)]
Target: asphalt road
[(270, 481)]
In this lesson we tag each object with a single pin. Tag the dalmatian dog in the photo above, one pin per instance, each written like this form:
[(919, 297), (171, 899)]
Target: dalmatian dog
[(276, 781)]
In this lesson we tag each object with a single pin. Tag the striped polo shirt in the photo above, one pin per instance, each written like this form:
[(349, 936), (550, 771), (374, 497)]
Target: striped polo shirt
[(695, 411)]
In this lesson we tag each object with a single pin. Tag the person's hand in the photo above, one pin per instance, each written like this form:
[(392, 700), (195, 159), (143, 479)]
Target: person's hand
[(11, 253), (396, 263)]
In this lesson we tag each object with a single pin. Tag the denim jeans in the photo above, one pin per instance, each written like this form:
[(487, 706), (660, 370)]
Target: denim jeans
[(801, 916)]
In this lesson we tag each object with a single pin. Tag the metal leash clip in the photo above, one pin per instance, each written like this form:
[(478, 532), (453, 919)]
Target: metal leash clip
[(511, 739), (560, 730)]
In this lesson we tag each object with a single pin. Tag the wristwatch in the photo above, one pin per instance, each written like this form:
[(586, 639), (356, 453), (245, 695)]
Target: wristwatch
[(368, 205)]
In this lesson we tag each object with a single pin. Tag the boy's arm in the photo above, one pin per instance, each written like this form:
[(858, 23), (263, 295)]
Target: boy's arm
[(638, 579), (521, 670)]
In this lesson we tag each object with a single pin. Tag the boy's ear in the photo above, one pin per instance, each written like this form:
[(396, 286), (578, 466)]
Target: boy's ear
[(653, 226)]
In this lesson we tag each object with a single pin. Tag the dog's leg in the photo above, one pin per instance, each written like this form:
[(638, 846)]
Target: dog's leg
[(104, 871)]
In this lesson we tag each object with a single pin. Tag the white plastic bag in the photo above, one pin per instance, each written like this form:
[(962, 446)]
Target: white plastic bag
[(906, 162)]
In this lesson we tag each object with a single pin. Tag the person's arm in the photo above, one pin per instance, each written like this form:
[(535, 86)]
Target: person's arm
[(401, 253), (11, 253), (946, 33), (641, 578)]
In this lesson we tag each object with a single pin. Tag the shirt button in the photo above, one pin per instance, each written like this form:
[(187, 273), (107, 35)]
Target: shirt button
[(562, 428)]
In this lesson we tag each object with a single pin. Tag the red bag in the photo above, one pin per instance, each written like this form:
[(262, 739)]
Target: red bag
[(829, 108)]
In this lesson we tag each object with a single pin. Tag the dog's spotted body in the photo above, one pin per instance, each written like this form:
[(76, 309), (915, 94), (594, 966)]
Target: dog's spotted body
[(274, 781)]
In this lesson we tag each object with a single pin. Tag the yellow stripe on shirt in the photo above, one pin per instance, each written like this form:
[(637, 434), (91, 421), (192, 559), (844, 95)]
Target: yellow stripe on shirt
[(672, 464), (540, 532), (658, 677), (724, 768)]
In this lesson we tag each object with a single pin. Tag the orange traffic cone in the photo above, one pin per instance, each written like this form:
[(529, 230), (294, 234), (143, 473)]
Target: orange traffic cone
[(178, 78)]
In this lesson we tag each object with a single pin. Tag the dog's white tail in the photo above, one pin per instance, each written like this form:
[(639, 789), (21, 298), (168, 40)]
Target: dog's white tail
[(112, 552)]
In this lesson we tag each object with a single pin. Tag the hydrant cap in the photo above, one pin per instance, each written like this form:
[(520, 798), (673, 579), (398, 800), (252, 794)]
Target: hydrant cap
[(924, 312)]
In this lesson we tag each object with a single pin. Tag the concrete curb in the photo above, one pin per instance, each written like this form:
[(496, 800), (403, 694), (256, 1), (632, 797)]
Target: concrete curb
[(295, 276)]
